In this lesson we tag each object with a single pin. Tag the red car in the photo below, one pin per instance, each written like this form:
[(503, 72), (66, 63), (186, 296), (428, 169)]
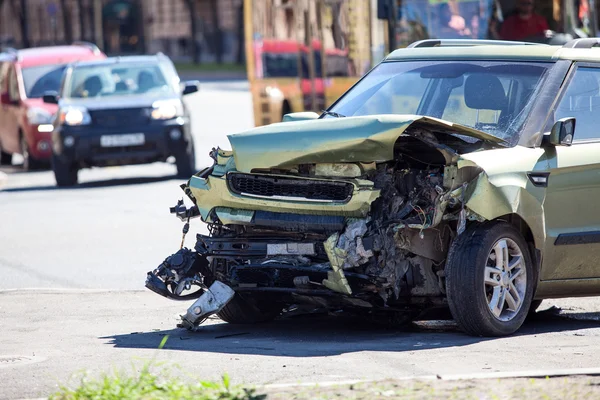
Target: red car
[(25, 120)]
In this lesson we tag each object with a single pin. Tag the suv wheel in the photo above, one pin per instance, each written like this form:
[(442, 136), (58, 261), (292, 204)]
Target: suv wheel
[(29, 162), (5, 158), (489, 280), (65, 173), (186, 162)]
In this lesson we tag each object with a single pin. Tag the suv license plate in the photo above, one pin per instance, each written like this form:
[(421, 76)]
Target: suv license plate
[(130, 139)]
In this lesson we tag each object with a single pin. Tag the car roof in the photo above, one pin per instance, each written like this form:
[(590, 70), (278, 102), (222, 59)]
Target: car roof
[(523, 52), (121, 59), (499, 51), (55, 55)]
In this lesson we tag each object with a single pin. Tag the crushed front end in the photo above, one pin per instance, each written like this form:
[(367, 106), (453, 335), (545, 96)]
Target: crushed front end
[(361, 236)]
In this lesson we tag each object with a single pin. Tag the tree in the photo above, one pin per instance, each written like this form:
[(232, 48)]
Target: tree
[(21, 14), (217, 33), (191, 5), (66, 15), (80, 10)]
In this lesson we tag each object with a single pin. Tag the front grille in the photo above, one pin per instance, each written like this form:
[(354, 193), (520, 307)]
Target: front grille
[(114, 118), (123, 150), (305, 189)]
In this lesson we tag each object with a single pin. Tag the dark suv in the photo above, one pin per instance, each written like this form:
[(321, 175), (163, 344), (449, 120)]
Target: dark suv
[(120, 111)]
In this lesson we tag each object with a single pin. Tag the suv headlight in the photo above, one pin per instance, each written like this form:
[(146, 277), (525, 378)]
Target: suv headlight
[(166, 109), (73, 115), (38, 116)]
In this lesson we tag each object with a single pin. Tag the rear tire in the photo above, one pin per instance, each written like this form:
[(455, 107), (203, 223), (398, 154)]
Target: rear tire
[(490, 280), (246, 309), (5, 158), (186, 162), (65, 173)]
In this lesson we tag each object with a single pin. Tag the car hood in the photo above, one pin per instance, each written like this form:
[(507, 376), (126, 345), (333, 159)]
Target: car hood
[(39, 103), (101, 103), (350, 139)]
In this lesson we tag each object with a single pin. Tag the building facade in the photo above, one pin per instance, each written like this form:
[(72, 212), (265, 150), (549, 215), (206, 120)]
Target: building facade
[(129, 26)]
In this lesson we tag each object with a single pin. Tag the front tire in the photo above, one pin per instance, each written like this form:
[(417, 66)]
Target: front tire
[(186, 162), (30, 163), (245, 309), (490, 280), (64, 172)]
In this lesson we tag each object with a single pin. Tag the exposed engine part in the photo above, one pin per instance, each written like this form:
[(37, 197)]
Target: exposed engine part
[(180, 272), (275, 249), (210, 302)]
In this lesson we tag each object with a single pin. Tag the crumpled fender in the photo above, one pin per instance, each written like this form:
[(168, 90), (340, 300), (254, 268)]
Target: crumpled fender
[(503, 186)]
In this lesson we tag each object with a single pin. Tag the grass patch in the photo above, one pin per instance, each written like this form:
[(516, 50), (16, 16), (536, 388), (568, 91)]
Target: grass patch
[(153, 382), (210, 68), (147, 384)]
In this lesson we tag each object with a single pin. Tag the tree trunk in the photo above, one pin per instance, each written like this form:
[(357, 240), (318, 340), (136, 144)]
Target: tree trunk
[(191, 4), (218, 34), (66, 16), (81, 11), (21, 15), (241, 37)]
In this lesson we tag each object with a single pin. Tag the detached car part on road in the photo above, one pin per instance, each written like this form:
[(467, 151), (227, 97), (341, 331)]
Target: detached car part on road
[(121, 111), (444, 177)]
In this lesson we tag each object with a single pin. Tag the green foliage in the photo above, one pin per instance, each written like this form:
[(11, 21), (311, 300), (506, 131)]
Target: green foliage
[(147, 385), (153, 382)]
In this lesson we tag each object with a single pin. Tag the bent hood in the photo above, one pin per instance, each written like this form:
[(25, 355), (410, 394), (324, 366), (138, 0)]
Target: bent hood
[(350, 139)]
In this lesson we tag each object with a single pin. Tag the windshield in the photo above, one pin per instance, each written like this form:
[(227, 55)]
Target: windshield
[(489, 96), (119, 79), (45, 78)]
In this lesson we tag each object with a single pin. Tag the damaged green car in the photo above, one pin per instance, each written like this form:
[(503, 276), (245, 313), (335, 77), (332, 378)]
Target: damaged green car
[(460, 175)]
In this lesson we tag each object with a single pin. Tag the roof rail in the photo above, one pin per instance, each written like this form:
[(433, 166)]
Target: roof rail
[(95, 49), (583, 43), (467, 42)]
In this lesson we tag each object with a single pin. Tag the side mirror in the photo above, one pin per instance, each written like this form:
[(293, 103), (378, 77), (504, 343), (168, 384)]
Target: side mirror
[(190, 87), (562, 132), (50, 97), (300, 116), (5, 99)]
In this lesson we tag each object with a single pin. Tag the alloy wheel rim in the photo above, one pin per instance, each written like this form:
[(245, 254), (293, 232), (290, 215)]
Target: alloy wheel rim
[(505, 280)]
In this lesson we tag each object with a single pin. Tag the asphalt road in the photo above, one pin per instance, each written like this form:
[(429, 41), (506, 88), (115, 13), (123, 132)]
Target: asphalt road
[(73, 265), (110, 230)]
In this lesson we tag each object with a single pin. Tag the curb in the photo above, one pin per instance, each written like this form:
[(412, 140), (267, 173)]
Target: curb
[(557, 373)]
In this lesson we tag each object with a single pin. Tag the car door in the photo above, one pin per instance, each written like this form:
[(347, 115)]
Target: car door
[(571, 206)]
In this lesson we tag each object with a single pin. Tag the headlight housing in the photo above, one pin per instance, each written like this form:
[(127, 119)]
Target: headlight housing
[(38, 116), (166, 109), (74, 115)]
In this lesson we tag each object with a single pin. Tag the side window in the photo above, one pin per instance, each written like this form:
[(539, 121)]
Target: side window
[(13, 86), (582, 101)]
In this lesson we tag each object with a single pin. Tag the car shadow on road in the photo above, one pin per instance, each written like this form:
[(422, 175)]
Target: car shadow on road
[(96, 184), (318, 336)]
